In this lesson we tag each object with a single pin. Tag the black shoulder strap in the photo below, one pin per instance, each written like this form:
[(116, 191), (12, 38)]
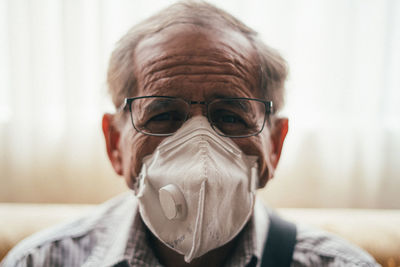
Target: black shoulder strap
[(278, 250)]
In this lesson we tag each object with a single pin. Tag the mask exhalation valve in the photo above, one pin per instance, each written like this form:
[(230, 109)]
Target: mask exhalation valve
[(172, 202)]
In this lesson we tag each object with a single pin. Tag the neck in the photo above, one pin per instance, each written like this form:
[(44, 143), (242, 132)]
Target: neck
[(169, 257)]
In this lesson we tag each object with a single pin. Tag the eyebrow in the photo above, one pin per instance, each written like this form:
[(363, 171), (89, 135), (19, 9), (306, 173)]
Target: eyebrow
[(238, 104), (156, 105), (219, 93)]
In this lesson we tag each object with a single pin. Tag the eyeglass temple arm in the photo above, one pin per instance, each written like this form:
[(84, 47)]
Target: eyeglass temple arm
[(123, 105)]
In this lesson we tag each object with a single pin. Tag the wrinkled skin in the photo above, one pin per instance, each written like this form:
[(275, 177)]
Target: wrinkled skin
[(196, 64)]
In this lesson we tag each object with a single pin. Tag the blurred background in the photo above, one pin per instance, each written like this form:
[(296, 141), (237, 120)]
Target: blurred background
[(343, 98)]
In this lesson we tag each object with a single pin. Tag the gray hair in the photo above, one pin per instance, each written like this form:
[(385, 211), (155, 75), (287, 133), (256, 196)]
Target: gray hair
[(122, 81)]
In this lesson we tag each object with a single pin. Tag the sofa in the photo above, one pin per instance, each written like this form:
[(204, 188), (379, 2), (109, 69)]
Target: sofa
[(377, 231)]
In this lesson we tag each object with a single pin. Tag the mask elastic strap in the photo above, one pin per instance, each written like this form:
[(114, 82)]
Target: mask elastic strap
[(139, 184), (199, 224), (254, 178)]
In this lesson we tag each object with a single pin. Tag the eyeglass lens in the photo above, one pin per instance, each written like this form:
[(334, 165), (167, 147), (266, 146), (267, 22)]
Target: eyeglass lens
[(229, 117)]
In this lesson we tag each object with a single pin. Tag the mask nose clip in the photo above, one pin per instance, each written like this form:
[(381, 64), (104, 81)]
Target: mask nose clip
[(172, 202)]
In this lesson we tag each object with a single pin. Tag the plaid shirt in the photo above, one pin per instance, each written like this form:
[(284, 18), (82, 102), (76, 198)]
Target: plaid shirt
[(114, 235)]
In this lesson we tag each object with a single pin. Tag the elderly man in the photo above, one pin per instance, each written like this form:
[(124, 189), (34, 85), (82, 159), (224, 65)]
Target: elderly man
[(195, 134)]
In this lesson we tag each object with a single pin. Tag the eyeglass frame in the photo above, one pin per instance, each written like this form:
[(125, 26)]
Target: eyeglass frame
[(268, 111)]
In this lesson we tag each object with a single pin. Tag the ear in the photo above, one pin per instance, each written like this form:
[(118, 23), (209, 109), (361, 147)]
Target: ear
[(278, 135), (111, 135)]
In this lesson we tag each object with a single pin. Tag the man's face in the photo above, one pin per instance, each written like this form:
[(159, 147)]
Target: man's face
[(195, 64)]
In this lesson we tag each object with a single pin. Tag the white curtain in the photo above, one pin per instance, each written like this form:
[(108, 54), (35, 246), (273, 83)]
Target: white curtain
[(343, 97)]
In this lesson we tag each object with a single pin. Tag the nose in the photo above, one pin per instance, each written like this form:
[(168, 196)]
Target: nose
[(198, 108)]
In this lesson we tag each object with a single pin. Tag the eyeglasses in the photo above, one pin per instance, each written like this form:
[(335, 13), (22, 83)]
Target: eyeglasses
[(230, 117)]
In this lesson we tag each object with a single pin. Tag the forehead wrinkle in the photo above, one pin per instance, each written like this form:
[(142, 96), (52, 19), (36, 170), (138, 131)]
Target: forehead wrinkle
[(180, 64), (184, 57), (238, 62), (206, 74), (227, 80), (217, 88), (177, 66)]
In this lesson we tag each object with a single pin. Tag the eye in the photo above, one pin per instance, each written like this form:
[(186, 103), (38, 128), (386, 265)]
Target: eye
[(225, 119), (165, 122), (158, 115), (226, 116), (229, 118), (168, 116), (162, 117)]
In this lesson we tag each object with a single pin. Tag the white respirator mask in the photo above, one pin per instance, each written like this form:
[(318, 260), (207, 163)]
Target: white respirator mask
[(196, 191)]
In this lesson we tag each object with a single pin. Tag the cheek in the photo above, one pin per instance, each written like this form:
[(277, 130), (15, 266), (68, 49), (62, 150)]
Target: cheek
[(257, 146), (134, 148)]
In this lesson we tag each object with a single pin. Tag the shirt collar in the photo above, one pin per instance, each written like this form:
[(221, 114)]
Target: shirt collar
[(261, 227), (250, 245), (118, 238), (129, 242)]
